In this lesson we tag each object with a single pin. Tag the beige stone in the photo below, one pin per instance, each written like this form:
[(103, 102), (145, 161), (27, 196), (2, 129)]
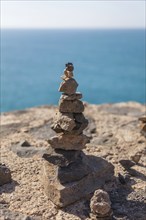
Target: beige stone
[(69, 142), (74, 106), (69, 86), (65, 121)]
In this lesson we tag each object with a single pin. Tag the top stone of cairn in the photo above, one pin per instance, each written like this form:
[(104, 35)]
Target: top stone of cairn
[(69, 86)]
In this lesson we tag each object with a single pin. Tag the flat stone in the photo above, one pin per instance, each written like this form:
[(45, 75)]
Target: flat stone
[(69, 142), (74, 106), (68, 87), (72, 172), (67, 193), (64, 121), (61, 157), (5, 174), (77, 95)]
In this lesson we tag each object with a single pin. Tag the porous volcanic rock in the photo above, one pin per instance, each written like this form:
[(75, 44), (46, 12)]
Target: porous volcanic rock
[(64, 121), (100, 204)]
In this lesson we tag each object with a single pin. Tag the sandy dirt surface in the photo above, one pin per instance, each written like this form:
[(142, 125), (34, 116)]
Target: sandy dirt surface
[(115, 135)]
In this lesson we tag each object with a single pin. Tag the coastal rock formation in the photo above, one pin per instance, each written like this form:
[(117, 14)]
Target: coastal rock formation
[(115, 133), (68, 174)]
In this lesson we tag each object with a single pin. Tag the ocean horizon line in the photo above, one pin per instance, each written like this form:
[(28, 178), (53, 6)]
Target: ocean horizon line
[(79, 29)]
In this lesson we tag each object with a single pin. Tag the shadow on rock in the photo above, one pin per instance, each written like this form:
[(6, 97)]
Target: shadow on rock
[(137, 174), (126, 203)]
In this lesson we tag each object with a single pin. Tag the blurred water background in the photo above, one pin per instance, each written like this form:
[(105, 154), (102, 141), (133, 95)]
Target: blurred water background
[(109, 65)]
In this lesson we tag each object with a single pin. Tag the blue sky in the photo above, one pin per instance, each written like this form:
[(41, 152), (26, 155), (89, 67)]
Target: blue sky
[(73, 14)]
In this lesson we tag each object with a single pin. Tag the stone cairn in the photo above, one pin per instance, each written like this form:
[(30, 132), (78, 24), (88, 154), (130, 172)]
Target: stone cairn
[(68, 174)]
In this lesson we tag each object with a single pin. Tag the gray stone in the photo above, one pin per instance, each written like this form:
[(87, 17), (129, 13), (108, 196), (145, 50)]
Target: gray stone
[(5, 174), (100, 204), (77, 95), (69, 141), (61, 158), (72, 172), (75, 106), (67, 193), (64, 121), (69, 86)]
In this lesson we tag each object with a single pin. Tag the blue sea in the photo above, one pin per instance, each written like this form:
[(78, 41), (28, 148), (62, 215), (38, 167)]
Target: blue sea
[(109, 65)]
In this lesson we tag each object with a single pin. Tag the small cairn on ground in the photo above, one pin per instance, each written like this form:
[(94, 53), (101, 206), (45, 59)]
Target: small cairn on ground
[(69, 174)]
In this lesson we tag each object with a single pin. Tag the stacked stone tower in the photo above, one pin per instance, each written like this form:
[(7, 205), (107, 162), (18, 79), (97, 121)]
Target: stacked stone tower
[(68, 173)]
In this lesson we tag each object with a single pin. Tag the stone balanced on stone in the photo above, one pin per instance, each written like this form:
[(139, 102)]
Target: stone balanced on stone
[(68, 174)]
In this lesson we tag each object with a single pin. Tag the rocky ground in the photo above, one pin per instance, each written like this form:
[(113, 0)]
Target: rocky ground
[(115, 135)]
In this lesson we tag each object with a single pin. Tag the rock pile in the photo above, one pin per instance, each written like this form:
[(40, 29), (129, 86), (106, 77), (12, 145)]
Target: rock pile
[(68, 174)]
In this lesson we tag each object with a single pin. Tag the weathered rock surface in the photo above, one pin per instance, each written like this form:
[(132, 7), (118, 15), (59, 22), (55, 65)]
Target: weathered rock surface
[(74, 106), (67, 193), (100, 204), (69, 142), (64, 121), (5, 174), (68, 87), (74, 171), (61, 157), (25, 194), (77, 95), (69, 123)]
